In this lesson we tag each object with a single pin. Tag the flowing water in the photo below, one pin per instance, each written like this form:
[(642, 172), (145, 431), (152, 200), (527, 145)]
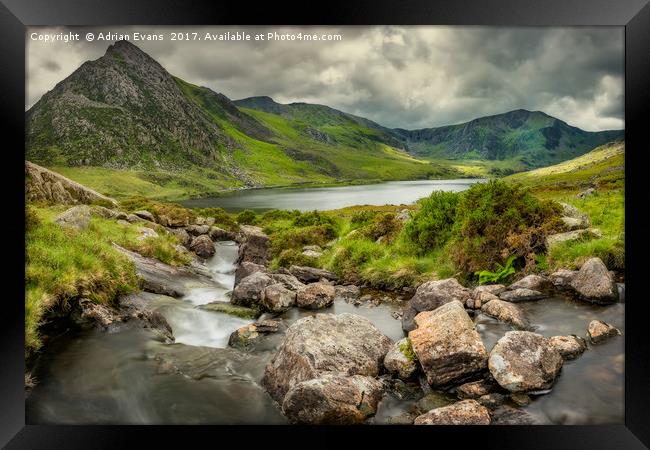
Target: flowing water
[(326, 198), (95, 377)]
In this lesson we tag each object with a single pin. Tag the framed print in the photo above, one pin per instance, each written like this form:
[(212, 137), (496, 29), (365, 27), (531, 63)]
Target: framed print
[(366, 219)]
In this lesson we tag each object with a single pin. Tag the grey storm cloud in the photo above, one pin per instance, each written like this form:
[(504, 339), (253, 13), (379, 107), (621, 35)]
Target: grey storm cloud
[(399, 76)]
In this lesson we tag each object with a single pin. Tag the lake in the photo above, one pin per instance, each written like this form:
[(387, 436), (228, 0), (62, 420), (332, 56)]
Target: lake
[(326, 198)]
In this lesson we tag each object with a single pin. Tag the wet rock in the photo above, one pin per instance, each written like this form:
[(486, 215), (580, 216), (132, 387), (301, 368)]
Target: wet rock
[(594, 283), (183, 236), (481, 298), (136, 307), (507, 415), (475, 389), (315, 296), (77, 217), (533, 282), (466, 412), (521, 295), (401, 360), (288, 281), (570, 347), (520, 399), (198, 230), (431, 295), (400, 419), (202, 246), (254, 245), (523, 361), (247, 268), (249, 336), (333, 399), (344, 344), (562, 278), (277, 298), (249, 290), (447, 345), (233, 310), (506, 312), (310, 274), (401, 389), (494, 289), (347, 293), (146, 215), (600, 331), (197, 362), (492, 400), (219, 234), (434, 400)]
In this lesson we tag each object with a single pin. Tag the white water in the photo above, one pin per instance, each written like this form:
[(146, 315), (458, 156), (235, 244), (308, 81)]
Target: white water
[(194, 326)]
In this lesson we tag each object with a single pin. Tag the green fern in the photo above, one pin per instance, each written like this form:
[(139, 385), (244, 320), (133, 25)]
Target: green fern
[(502, 273)]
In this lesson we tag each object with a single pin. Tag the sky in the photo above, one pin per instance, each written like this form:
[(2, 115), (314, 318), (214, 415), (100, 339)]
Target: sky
[(398, 76)]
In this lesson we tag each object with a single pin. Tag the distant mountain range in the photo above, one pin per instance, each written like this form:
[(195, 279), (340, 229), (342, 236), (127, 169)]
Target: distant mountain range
[(125, 111)]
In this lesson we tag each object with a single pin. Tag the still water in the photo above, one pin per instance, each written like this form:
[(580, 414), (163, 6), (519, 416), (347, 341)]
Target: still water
[(325, 198), (129, 378)]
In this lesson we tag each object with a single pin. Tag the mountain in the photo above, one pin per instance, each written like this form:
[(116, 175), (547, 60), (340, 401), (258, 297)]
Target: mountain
[(532, 138), (125, 112)]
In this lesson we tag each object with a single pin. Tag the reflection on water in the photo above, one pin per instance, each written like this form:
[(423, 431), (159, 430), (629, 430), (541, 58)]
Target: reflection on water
[(326, 198), (128, 377)]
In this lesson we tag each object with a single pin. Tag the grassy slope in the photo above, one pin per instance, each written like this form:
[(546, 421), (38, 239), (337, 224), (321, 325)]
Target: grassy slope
[(603, 168)]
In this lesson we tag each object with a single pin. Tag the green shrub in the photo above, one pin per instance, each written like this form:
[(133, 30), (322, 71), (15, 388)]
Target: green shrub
[(299, 237), (384, 225), (431, 226), (503, 272), (279, 214), (221, 218), (158, 209), (293, 257), (246, 217), (313, 218), (362, 217)]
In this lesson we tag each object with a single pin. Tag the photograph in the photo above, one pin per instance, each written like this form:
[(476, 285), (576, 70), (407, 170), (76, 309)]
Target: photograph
[(324, 225)]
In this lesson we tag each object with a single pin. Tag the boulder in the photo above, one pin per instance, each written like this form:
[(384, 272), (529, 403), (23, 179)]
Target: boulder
[(347, 293), (107, 213), (506, 312), (233, 310), (315, 296), (520, 398), (333, 399), (250, 336), (77, 217), (570, 347), (254, 245), (400, 359), (521, 295), (586, 193), (247, 268), (312, 254), (431, 295), (594, 283), (523, 361), (249, 291), (483, 297), (507, 415), (277, 298), (198, 230), (219, 234), (183, 236), (494, 289), (600, 331), (146, 233), (344, 344), (174, 221), (475, 389), (146, 215), (447, 345), (562, 278), (288, 281), (492, 401), (203, 246), (466, 412), (571, 223), (311, 274), (132, 218), (554, 239), (533, 282)]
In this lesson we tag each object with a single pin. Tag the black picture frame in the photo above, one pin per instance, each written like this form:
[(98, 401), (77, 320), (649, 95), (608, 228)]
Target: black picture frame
[(15, 15)]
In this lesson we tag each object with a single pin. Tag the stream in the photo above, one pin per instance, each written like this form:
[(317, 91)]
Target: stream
[(95, 377)]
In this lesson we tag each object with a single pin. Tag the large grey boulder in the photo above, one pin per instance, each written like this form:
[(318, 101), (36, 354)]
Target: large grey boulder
[(400, 359), (523, 361), (347, 293), (431, 295), (333, 399), (562, 278), (315, 296), (466, 412), (594, 283), (521, 295), (146, 215), (311, 274), (254, 245), (447, 345), (183, 236), (247, 268), (77, 217), (277, 298), (344, 344), (198, 230), (533, 282), (288, 281), (506, 312), (203, 246), (249, 291)]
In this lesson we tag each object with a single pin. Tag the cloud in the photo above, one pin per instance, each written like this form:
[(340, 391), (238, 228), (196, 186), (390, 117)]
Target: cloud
[(399, 76)]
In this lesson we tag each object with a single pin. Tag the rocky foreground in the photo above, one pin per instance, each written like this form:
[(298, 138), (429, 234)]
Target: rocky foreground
[(334, 369)]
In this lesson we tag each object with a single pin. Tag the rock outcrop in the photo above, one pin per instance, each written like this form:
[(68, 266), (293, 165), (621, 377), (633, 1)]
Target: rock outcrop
[(203, 246), (77, 217), (594, 283), (315, 296), (431, 295), (277, 298), (249, 291), (253, 246)]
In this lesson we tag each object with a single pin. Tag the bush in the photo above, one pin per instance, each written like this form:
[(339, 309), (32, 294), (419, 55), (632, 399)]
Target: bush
[(246, 217), (495, 220), (293, 257), (158, 209), (431, 226), (299, 237), (383, 225), (221, 218), (313, 218), (31, 219)]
